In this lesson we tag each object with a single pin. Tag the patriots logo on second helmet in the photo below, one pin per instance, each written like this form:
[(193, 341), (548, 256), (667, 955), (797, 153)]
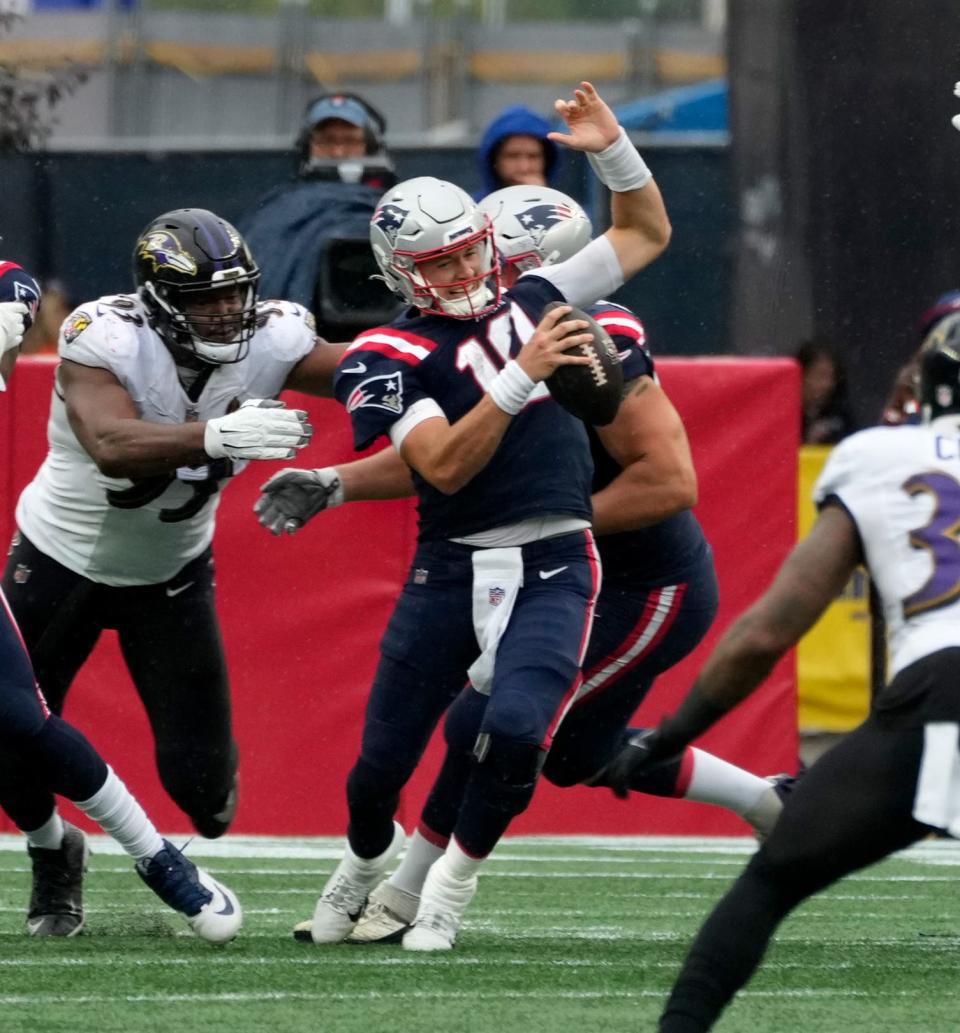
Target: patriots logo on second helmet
[(538, 219)]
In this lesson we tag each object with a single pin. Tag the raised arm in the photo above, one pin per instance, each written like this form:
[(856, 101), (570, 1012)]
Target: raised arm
[(640, 229)]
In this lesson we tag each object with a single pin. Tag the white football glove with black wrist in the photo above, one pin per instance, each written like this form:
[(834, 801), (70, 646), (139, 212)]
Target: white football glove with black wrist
[(292, 497), (13, 324), (262, 428)]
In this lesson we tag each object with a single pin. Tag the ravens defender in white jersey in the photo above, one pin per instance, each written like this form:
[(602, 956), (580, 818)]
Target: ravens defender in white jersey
[(505, 577), (659, 593), (889, 497), (160, 397), (59, 759)]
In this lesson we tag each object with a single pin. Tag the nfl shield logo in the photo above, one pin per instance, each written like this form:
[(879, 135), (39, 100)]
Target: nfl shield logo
[(22, 574), (496, 596)]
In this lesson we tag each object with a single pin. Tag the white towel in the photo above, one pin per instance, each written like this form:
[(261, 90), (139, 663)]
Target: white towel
[(497, 580), (937, 801)]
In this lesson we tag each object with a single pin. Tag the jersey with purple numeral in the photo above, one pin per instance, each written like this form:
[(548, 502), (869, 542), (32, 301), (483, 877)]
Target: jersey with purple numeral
[(940, 537)]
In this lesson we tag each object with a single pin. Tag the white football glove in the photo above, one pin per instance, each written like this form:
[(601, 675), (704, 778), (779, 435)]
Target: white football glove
[(262, 428), (13, 322), (955, 121), (291, 497)]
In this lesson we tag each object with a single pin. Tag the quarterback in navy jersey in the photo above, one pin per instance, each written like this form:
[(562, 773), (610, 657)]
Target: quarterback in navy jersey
[(406, 373), (58, 758), (659, 593), (888, 498), (505, 577)]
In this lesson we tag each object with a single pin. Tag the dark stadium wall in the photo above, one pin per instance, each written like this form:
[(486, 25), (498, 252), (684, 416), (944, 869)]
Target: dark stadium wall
[(845, 168), (302, 616), (84, 211)]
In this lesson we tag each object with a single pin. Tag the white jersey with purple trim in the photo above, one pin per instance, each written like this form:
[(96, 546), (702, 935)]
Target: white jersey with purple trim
[(65, 510), (901, 486)]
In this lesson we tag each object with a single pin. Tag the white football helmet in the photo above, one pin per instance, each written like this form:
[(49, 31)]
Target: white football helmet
[(426, 218), (535, 226)]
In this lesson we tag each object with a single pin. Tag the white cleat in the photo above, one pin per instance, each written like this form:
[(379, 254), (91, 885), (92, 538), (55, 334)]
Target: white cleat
[(341, 904), (442, 904), (212, 911), (387, 916)]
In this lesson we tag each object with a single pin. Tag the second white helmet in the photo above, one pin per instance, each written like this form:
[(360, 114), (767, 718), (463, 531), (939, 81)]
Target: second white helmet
[(535, 226)]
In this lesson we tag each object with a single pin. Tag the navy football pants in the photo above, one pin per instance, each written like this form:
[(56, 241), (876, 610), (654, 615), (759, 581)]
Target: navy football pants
[(50, 753), (638, 633), (425, 653)]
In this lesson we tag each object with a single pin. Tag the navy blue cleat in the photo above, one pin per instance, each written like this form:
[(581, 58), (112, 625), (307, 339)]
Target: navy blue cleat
[(211, 910)]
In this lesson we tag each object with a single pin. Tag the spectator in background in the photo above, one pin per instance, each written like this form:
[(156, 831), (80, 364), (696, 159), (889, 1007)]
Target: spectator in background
[(515, 150), (310, 235), (41, 338), (826, 416)]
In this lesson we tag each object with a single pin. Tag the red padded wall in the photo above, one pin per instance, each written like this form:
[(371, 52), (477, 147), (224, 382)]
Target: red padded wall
[(302, 616)]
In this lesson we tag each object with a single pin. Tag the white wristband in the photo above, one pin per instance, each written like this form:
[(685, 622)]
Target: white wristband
[(619, 166), (510, 388)]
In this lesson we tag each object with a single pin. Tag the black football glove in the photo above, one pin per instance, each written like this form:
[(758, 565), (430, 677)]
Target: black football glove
[(293, 496), (642, 752)]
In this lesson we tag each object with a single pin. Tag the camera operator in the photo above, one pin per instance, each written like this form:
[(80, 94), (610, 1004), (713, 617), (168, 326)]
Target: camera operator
[(310, 235)]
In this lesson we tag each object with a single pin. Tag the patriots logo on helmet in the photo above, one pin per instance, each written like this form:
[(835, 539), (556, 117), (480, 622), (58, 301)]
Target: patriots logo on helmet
[(28, 295), (538, 219), (163, 251), (381, 392), (389, 218)]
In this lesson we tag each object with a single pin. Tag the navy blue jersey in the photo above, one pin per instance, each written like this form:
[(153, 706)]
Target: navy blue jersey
[(662, 553), (541, 467)]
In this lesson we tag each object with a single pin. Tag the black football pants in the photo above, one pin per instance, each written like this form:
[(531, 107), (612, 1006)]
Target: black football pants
[(853, 808), (170, 639)]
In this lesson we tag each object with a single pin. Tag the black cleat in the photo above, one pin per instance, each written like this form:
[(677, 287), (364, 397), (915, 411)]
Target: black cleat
[(213, 826), (56, 901)]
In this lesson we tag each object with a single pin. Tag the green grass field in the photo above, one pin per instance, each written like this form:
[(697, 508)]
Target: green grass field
[(581, 935)]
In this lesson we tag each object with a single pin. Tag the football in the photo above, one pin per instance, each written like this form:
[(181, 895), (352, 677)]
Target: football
[(591, 393)]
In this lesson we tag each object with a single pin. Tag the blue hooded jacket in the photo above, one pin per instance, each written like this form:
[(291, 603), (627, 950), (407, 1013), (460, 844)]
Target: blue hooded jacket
[(513, 121)]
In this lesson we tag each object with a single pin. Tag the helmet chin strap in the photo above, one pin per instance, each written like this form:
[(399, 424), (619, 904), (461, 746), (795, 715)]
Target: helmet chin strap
[(471, 304)]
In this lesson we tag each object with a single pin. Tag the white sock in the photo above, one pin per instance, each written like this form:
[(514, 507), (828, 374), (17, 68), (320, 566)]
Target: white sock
[(115, 810), (718, 782), (50, 834), (459, 863), (412, 870)]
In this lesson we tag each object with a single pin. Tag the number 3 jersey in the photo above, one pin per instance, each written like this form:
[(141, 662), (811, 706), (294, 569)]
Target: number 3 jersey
[(901, 486), (153, 527), (542, 466)]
